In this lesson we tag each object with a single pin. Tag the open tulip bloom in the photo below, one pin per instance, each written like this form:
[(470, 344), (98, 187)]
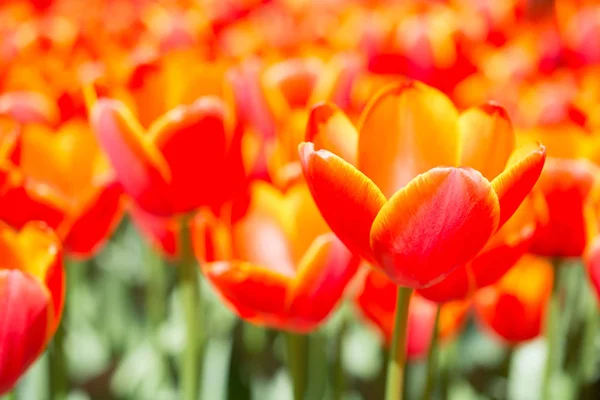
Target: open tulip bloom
[(417, 189)]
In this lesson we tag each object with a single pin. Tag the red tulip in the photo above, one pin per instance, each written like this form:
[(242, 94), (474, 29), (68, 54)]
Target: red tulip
[(515, 307), (32, 285), (286, 271), (407, 208)]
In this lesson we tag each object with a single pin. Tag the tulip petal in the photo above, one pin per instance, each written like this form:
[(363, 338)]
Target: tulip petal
[(24, 320), (458, 285), (330, 129), (95, 222), (254, 293), (140, 168), (406, 130), (322, 276), (515, 183), (487, 139), (193, 141), (161, 232), (437, 223), (347, 199)]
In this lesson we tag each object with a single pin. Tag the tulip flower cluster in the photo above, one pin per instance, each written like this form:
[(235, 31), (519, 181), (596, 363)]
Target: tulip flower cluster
[(425, 170)]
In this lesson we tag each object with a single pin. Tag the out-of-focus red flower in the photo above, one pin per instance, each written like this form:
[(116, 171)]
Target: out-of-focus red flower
[(63, 179), (189, 158), (376, 300), (286, 269), (29, 107), (514, 308), (407, 208), (32, 288)]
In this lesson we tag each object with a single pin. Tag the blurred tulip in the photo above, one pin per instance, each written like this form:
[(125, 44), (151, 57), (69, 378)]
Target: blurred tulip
[(62, 179), (515, 307), (376, 301), (414, 214), (32, 289), (190, 157), (287, 271)]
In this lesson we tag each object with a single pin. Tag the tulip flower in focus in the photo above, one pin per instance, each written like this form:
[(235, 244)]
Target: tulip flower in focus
[(376, 301), (402, 203), (61, 177), (515, 307), (32, 289), (286, 270)]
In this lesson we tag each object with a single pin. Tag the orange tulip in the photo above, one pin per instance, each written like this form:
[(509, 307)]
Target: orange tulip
[(32, 288), (376, 301), (515, 307), (62, 179), (190, 157), (398, 198), (287, 270)]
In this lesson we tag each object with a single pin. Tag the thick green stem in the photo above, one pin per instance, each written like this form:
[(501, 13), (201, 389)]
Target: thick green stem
[(58, 366), (189, 290), (553, 335), (432, 357), (339, 381), (397, 359), (156, 288), (297, 360)]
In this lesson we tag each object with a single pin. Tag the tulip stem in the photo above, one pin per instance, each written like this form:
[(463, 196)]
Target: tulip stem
[(432, 357), (397, 359), (297, 359), (156, 289), (58, 375), (339, 382), (553, 333), (189, 290)]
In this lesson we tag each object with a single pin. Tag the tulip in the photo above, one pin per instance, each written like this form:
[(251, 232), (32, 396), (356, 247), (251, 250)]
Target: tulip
[(62, 179), (32, 289), (189, 158), (286, 270), (521, 295), (404, 205)]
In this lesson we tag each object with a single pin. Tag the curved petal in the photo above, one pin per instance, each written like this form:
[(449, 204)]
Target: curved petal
[(348, 200), (262, 236), (406, 130), (506, 247), (193, 141), (437, 223), (565, 184), (94, 224), (487, 139), (24, 320), (41, 252), (211, 238), (254, 293), (29, 107), (521, 295), (161, 232), (140, 168), (515, 183), (330, 129), (320, 282), (458, 285)]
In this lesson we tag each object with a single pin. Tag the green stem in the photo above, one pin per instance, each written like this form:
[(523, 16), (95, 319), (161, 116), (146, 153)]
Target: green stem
[(58, 375), (432, 357), (339, 381), (189, 290), (156, 288), (297, 359), (587, 355), (553, 335), (397, 359)]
